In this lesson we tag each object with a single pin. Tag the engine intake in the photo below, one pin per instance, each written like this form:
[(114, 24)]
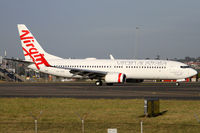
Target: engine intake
[(115, 78)]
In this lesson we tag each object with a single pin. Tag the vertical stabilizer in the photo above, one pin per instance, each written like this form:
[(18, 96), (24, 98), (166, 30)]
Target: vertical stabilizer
[(32, 49), (28, 42)]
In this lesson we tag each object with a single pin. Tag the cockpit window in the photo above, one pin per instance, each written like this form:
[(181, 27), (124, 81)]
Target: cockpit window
[(185, 66)]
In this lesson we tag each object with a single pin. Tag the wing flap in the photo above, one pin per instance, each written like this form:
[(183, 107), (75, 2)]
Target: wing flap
[(20, 61)]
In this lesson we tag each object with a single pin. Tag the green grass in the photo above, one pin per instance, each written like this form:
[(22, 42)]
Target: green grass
[(59, 116)]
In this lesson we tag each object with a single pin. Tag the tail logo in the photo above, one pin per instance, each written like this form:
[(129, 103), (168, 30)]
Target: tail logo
[(32, 51)]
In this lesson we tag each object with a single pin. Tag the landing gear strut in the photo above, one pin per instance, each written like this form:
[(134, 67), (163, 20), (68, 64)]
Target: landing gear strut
[(99, 83)]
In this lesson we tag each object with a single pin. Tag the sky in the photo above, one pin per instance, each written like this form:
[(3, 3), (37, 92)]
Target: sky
[(97, 28)]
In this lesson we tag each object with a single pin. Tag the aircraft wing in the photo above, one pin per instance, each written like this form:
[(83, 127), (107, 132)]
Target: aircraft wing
[(88, 73), (85, 73), (20, 61)]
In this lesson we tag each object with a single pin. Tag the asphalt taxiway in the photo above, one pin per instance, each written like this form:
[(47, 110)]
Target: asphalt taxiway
[(186, 91)]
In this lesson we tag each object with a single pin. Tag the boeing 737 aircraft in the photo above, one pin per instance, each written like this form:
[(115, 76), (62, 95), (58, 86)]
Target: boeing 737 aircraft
[(108, 70)]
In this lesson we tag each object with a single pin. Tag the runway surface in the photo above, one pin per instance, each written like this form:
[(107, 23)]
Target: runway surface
[(187, 91)]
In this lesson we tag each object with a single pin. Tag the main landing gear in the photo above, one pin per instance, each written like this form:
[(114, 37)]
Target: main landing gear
[(98, 83)]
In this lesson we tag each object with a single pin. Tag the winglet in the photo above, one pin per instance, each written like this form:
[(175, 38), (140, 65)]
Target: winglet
[(111, 57)]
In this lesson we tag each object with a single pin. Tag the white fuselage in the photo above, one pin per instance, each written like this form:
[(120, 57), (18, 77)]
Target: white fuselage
[(112, 71), (133, 69)]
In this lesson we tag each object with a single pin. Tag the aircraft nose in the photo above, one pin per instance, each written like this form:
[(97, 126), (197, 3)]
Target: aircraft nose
[(193, 72)]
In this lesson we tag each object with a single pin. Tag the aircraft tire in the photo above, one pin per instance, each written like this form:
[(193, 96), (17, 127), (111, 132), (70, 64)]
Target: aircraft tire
[(177, 84), (98, 83)]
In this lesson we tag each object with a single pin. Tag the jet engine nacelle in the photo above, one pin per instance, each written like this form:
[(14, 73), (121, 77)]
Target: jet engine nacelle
[(115, 78)]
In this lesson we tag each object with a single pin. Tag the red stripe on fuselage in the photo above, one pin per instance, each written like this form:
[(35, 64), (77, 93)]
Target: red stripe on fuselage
[(119, 78)]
